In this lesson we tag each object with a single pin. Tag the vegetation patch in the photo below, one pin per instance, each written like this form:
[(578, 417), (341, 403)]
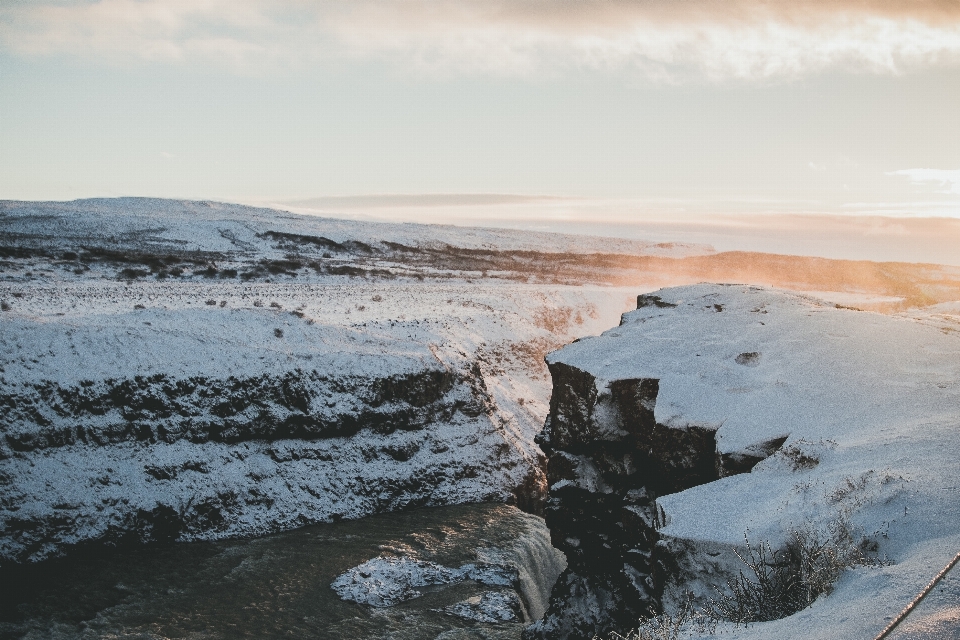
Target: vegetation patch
[(776, 584)]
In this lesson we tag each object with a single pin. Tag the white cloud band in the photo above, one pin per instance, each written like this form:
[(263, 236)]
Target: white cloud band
[(947, 180), (747, 39)]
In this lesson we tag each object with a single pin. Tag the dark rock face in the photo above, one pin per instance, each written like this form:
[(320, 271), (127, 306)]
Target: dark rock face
[(650, 300), (158, 459), (296, 404), (607, 461)]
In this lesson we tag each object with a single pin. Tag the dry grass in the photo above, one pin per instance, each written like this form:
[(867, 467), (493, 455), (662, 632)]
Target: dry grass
[(773, 583), (776, 584)]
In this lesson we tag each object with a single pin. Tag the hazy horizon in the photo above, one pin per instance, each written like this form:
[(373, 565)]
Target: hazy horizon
[(912, 239), (654, 107)]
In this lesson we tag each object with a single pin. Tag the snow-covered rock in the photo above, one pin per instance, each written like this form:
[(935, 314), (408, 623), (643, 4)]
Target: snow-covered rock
[(508, 577), (490, 606), (205, 405), (386, 581), (718, 412)]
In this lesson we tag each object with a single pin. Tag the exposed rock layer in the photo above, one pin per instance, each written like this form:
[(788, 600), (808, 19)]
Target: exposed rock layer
[(301, 403), (717, 412), (161, 459), (608, 459)]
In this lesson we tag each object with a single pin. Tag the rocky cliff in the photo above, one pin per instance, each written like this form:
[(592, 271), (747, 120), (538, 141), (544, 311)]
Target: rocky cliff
[(716, 414), (182, 371), (229, 447), (608, 460)]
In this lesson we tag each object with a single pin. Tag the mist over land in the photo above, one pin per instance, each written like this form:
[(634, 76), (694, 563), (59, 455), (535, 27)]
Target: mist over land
[(868, 231)]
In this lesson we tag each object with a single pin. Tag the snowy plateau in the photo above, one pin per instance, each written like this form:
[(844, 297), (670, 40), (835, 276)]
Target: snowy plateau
[(197, 371), (719, 416)]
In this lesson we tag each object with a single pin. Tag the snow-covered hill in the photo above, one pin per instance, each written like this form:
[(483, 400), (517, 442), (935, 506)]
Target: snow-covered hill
[(188, 402), (716, 415)]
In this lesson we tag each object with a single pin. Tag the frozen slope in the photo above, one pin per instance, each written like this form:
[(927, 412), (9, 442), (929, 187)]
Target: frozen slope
[(188, 420), (786, 414), (184, 371), (164, 225)]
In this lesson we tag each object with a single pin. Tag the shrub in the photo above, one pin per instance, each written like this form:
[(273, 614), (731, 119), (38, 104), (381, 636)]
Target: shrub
[(132, 274), (777, 584), (773, 584), (803, 455), (687, 621), (766, 591)]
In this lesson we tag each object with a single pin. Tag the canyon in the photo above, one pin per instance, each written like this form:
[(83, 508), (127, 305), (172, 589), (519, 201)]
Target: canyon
[(203, 373)]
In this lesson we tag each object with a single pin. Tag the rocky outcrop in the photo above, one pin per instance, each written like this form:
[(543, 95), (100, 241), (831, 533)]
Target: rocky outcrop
[(608, 459), (716, 419), (190, 454), (304, 404)]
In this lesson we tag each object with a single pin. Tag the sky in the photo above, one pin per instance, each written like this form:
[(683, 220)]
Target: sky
[(652, 106)]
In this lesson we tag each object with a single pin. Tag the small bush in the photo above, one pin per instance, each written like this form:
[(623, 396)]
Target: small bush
[(132, 274), (777, 584), (688, 621), (767, 591), (799, 459)]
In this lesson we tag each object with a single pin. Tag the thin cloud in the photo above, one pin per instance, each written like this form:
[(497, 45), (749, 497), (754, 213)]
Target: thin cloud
[(947, 181), (668, 40)]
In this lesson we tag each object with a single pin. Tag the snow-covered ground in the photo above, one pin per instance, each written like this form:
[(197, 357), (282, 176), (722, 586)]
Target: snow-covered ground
[(373, 367), (195, 407), (154, 224), (90, 333), (855, 414)]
